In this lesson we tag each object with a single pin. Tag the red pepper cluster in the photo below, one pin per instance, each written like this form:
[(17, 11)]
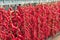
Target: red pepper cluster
[(30, 22)]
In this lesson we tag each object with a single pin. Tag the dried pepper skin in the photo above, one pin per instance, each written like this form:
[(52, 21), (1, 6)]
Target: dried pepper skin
[(30, 22)]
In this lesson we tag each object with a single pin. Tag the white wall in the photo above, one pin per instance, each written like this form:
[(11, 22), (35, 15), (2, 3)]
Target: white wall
[(9, 2)]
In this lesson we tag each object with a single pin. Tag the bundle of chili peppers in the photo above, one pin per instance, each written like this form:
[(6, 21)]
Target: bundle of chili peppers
[(30, 22)]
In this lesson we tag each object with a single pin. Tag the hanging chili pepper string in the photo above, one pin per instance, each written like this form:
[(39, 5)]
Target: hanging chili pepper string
[(30, 22)]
